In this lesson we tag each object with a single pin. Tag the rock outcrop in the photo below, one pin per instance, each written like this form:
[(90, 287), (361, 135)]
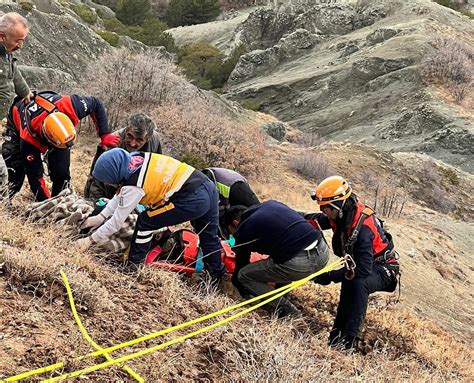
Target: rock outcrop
[(353, 72)]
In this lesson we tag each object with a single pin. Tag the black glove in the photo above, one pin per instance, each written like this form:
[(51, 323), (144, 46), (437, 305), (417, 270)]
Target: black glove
[(323, 279)]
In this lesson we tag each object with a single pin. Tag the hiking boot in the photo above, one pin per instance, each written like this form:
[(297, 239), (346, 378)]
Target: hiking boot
[(287, 311)]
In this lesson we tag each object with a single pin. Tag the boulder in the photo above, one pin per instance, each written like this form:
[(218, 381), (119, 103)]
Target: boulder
[(380, 35), (258, 61), (276, 130)]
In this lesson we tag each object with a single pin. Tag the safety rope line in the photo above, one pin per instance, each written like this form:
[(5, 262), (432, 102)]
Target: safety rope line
[(86, 335), (274, 294)]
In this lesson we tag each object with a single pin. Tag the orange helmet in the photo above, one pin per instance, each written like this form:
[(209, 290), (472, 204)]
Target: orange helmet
[(332, 189), (59, 130)]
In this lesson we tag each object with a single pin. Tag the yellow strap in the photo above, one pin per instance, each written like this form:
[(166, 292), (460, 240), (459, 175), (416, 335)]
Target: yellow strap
[(85, 334), (152, 213), (273, 294), (368, 211)]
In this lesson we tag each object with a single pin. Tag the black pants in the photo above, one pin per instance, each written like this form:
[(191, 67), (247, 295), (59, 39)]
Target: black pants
[(58, 165), (12, 157), (353, 303)]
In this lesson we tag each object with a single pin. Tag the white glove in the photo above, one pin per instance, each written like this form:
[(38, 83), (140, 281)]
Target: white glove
[(83, 244), (93, 222)]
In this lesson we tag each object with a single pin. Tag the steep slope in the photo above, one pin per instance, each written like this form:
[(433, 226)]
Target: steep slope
[(118, 305), (352, 71)]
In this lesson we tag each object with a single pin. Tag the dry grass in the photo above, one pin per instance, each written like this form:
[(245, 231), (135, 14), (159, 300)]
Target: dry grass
[(121, 306), (451, 65), (117, 305)]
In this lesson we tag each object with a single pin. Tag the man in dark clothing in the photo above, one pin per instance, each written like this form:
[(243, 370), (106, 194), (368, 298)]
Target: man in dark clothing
[(139, 135), (46, 126), (233, 190), (359, 233), (295, 248)]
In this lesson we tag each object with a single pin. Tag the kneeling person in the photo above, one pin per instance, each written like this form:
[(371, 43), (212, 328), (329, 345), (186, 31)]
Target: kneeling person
[(139, 135), (295, 248), (176, 193)]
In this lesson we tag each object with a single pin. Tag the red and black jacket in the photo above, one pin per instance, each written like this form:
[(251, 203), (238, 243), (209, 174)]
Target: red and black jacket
[(28, 119), (371, 242)]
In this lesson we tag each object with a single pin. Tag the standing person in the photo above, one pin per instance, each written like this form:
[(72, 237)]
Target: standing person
[(13, 32), (295, 249), (46, 126), (139, 135), (357, 232), (233, 190), (175, 193)]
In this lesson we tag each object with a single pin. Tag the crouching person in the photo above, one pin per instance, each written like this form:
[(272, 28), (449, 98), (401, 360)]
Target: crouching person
[(359, 233), (175, 192), (233, 190), (295, 248)]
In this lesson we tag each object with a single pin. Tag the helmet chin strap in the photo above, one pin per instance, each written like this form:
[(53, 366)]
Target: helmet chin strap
[(339, 209)]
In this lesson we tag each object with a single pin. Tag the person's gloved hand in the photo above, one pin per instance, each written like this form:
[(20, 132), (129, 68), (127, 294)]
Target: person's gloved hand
[(323, 279), (83, 244), (109, 139), (93, 222)]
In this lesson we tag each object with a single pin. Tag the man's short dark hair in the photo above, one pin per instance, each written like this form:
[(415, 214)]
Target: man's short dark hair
[(233, 214), (141, 124)]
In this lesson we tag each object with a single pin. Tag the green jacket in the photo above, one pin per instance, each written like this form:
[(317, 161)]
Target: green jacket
[(11, 81)]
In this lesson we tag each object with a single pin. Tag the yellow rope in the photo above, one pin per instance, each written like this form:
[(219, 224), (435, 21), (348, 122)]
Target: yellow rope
[(274, 295), (86, 336)]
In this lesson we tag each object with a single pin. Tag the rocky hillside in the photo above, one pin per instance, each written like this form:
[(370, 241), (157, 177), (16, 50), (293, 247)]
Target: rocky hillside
[(351, 70)]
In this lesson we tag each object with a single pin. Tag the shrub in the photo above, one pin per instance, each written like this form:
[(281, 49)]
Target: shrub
[(189, 12), (457, 6), (151, 33), (451, 176), (111, 37), (311, 166), (201, 63), (204, 64), (388, 198), (451, 65), (115, 25), (133, 12), (251, 104), (127, 82), (85, 13), (26, 5), (196, 131), (195, 159)]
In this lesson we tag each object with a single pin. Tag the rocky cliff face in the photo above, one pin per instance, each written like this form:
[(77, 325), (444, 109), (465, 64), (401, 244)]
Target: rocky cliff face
[(350, 70), (353, 73)]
